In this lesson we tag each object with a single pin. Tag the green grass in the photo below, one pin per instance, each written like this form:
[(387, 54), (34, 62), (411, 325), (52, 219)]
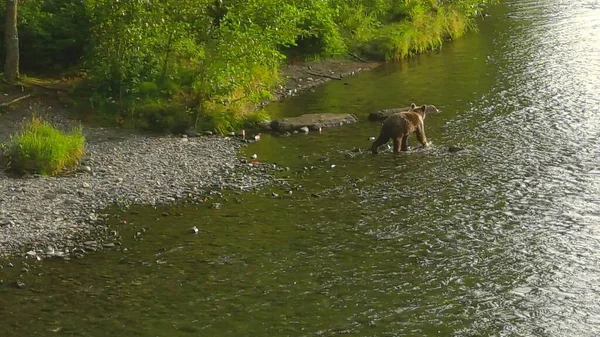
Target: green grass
[(41, 148), (425, 30)]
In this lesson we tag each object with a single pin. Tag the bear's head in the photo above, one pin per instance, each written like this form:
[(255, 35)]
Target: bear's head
[(423, 110)]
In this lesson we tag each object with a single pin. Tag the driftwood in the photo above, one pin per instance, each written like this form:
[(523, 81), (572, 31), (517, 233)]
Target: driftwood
[(357, 57), (14, 100), (385, 113), (49, 87)]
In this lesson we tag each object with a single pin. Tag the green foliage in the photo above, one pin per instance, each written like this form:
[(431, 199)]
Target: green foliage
[(162, 116), (41, 148), (172, 64)]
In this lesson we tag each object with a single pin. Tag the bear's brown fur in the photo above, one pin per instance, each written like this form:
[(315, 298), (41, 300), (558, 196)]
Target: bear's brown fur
[(400, 125)]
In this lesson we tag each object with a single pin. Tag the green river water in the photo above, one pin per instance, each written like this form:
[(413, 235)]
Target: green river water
[(502, 239)]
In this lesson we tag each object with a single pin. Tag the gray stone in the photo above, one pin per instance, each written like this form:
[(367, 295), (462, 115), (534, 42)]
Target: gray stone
[(312, 122), (31, 253), (304, 129), (454, 148), (191, 133), (49, 250)]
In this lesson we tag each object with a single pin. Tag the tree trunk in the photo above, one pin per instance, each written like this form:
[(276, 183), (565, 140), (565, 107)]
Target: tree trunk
[(11, 39)]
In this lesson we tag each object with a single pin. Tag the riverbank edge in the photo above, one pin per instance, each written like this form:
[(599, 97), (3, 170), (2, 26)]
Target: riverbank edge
[(44, 217)]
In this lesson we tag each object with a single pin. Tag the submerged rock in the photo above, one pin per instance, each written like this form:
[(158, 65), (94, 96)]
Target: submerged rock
[(454, 148), (310, 121)]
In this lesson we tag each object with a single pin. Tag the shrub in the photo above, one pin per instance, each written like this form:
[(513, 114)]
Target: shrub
[(41, 148), (163, 116)]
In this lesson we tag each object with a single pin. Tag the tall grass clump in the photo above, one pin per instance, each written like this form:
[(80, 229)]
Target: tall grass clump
[(423, 28), (41, 148)]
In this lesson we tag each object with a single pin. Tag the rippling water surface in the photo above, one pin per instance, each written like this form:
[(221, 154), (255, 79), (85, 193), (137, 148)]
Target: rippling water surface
[(500, 240)]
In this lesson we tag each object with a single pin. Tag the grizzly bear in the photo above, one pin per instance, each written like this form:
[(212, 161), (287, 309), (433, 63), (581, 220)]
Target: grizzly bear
[(400, 125)]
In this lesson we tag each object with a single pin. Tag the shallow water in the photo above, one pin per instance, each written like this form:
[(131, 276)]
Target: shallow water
[(499, 240)]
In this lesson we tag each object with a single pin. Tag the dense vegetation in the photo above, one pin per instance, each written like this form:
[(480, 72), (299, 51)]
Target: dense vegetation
[(173, 63)]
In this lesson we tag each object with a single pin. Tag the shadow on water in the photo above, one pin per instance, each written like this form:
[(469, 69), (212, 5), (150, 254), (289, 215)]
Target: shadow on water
[(498, 240)]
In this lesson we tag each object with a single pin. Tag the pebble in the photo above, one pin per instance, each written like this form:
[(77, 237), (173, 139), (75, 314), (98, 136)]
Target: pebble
[(304, 129), (31, 253)]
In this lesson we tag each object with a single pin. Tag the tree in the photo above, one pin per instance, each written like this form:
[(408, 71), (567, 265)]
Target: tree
[(11, 39)]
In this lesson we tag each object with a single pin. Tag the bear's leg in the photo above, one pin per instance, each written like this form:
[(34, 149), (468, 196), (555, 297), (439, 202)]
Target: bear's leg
[(404, 143), (421, 137), (397, 144), (378, 142)]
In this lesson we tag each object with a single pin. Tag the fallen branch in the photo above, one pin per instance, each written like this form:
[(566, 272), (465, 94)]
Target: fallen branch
[(324, 75), (357, 57), (14, 100), (48, 87)]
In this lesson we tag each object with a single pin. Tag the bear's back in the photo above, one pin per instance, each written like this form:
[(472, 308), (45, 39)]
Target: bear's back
[(401, 123)]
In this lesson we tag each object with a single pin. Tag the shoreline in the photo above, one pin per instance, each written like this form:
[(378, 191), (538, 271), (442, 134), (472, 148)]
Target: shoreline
[(42, 217), (54, 216)]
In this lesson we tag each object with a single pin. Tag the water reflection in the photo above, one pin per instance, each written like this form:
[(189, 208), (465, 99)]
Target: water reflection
[(498, 240)]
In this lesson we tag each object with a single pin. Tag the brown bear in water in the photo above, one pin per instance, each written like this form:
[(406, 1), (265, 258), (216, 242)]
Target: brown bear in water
[(400, 125)]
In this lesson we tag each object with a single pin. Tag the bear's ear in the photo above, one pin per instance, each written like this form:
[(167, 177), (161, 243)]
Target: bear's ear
[(413, 106), (423, 108)]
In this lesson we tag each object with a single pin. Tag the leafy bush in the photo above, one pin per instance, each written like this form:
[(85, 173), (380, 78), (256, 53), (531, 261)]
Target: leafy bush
[(162, 116), (213, 61), (41, 148)]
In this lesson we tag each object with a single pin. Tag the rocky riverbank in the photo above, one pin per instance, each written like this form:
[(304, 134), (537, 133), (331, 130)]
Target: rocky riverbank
[(44, 216), (57, 216)]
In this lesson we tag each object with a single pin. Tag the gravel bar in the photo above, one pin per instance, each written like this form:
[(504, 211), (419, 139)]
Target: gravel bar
[(46, 216)]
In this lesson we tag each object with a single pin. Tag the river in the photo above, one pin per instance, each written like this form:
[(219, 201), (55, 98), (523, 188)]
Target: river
[(501, 239)]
